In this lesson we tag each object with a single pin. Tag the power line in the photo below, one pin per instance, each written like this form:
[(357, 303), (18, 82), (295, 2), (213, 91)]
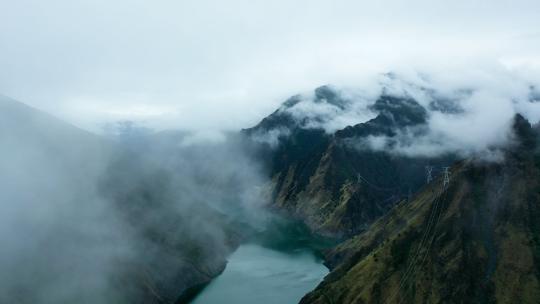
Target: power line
[(360, 178), (429, 244), (410, 267), (427, 239)]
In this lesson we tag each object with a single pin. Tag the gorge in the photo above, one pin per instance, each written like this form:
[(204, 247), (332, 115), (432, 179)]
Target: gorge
[(297, 208)]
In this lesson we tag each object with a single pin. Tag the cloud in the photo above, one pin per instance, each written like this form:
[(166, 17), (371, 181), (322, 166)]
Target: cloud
[(271, 137), (340, 109), (469, 109), (213, 65), (484, 103), (79, 213), (202, 137)]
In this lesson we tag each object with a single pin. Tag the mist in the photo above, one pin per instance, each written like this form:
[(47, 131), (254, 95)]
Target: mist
[(89, 219), (469, 111), (138, 184), (211, 65)]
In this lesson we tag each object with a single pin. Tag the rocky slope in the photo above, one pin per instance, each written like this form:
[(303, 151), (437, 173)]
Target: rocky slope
[(475, 240), (334, 181)]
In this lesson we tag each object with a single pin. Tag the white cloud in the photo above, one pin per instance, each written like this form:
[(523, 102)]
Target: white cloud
[(225, 65), (482, 125), (201, 137), (270, 137), (327, 116)]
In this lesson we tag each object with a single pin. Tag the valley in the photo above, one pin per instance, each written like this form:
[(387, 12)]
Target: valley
[(297, 214)]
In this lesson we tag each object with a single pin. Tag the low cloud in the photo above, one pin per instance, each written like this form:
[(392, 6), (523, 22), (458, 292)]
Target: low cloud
[(271, 137), (81, 215), (469, 110), (189, 65), (468, 113), (332, 111)]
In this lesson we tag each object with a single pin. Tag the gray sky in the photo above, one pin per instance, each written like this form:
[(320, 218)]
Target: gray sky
[(226, 64)]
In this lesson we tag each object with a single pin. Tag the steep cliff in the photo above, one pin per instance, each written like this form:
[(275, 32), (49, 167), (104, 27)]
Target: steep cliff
[(473, 240), (335, 181)]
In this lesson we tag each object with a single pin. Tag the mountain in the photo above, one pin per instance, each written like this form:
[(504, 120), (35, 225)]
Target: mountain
[(88, 220), (473, 240), (27, 132), (334, 181), (151, 219)]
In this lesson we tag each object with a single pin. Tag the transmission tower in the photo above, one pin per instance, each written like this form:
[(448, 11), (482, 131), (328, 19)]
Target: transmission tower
[(446, 172), (429, 177)]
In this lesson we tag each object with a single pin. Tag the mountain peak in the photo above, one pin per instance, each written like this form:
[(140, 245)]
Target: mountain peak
[(524, 135), (393, 113), (402, 111), (330, 95)]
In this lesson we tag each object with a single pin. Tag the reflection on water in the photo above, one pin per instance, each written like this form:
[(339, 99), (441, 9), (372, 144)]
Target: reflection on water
[(257, 274)]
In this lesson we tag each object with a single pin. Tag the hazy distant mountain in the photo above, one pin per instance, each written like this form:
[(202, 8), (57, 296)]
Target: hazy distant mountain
[(27, 132), (84, 219)]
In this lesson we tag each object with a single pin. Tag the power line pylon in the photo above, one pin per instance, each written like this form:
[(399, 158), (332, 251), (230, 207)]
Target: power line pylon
[(446, 172), (429, 177)]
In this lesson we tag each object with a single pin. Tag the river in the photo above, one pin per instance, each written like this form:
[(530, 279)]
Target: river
[(278, 270)]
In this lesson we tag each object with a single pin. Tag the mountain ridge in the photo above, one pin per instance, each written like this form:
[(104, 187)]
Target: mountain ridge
[(336, 187), (481, 247)]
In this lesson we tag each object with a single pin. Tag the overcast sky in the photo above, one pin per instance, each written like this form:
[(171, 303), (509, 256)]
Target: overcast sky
[(226, 64)]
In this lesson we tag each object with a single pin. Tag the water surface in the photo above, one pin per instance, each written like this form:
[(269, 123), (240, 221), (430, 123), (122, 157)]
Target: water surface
[(262, 275)]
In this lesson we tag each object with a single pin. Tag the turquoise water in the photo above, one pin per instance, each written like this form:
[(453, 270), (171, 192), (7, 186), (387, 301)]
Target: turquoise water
[(262, 275)]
